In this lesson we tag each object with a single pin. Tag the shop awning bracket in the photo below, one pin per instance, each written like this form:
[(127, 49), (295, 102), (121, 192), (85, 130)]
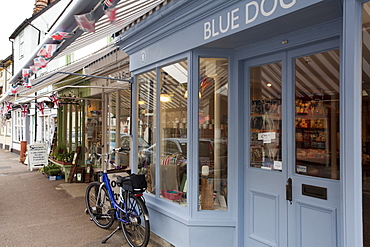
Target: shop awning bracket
[(77, 74)]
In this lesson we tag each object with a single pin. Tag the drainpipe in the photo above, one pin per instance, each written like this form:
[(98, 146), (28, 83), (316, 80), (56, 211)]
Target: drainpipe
[(60, 15), (35, 118), (39, 39)]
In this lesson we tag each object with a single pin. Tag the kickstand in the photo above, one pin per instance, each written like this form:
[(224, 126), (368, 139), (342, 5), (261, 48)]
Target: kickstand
[(110, 235)]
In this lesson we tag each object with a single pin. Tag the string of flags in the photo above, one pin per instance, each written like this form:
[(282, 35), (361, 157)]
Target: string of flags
[(6, 107), (85, 22)]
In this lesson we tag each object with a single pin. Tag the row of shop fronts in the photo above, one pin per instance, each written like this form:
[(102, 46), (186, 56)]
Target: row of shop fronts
[(250, 120)]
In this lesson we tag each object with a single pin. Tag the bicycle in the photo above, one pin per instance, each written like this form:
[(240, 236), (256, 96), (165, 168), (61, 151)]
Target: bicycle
[(130, 209)]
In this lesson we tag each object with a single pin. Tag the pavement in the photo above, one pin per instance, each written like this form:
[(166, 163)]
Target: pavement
[(35, 211)]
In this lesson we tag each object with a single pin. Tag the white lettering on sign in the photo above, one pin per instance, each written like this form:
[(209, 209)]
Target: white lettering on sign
[(231, 19), (212, 29)]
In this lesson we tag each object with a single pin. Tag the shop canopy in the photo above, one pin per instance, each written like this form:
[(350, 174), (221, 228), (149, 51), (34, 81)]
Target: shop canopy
[(128, 13)]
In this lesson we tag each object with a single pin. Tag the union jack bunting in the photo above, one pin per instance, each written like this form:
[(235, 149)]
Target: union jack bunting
[(86, 22), (33, 69), (24, 110), (14, 89), (40, 62), (109, 4), (111, 13), (8, 107), (54, 99), (41, 107), (28, 83), (47, 51), (59, 36), (26, 72)]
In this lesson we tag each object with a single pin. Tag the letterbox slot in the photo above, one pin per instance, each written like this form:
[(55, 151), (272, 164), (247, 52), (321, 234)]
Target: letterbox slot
[(314, 191)]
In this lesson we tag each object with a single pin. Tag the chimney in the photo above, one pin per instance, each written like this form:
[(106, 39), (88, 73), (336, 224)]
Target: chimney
[(40, 5)]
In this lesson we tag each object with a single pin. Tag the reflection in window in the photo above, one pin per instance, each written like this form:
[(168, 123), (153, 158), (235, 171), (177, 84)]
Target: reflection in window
[(119, 111), (265, 117), (317, 114), (213, 133), (146, 106), (174, 110), (366, 122)]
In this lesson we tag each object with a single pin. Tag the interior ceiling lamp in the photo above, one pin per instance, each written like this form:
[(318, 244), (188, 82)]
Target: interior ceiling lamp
[(164, 97), (140, 102)]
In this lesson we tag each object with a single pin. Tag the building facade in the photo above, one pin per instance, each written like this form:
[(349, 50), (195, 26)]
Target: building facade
[(253, 114)]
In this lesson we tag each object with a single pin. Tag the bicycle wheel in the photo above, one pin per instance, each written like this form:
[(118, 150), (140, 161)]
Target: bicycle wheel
[(99, 206), (137, 230)]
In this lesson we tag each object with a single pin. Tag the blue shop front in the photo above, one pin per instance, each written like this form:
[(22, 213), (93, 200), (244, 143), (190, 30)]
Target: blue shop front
[(254, 115)]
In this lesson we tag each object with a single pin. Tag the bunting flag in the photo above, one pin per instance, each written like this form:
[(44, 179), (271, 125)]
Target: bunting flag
[(33, 69), (47, 51), (41, 107), (111, 13), (14, 89), (27, 83), (40, 62), (8, 107), (54, 99), (59, 36), (26, 73), (24, 110), (86, 22), (109, 4)]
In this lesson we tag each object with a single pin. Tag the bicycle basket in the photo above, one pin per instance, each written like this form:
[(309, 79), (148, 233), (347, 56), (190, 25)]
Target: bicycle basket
[(133, 183)]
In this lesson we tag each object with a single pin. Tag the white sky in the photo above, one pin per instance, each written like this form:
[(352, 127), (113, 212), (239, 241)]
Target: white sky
[(11, 18)]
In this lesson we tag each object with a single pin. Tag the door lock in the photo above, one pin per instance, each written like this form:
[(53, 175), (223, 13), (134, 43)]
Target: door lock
[(289, 190)]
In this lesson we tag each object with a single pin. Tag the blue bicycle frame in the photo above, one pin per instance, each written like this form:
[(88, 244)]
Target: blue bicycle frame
[(106, 183)]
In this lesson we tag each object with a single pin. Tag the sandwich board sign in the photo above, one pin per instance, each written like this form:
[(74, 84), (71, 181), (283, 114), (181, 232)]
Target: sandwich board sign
[(37, 155)]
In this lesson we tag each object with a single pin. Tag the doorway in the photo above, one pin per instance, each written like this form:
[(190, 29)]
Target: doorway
[(292, 165)]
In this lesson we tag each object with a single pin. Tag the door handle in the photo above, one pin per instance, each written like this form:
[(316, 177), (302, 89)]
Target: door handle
[(289, 190)]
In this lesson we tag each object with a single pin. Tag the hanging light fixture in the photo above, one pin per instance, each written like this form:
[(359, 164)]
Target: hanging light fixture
[(164, 97)]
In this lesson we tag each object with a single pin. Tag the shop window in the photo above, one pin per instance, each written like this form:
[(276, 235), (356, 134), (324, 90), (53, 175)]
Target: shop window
[(213, 133), (173, 132), (146, 135), (266, 117), (93, 128), (366, 122), (317, 115), (118, 125)]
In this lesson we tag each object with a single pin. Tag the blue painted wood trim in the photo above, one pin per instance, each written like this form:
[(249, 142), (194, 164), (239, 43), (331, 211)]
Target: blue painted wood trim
[(350, 128)]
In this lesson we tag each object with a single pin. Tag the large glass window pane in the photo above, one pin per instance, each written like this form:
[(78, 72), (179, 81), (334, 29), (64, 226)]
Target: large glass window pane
[(146, 106), (118, 124), (366, 122), (174, 110), (266, 117), (213, 133), (317, 114)]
